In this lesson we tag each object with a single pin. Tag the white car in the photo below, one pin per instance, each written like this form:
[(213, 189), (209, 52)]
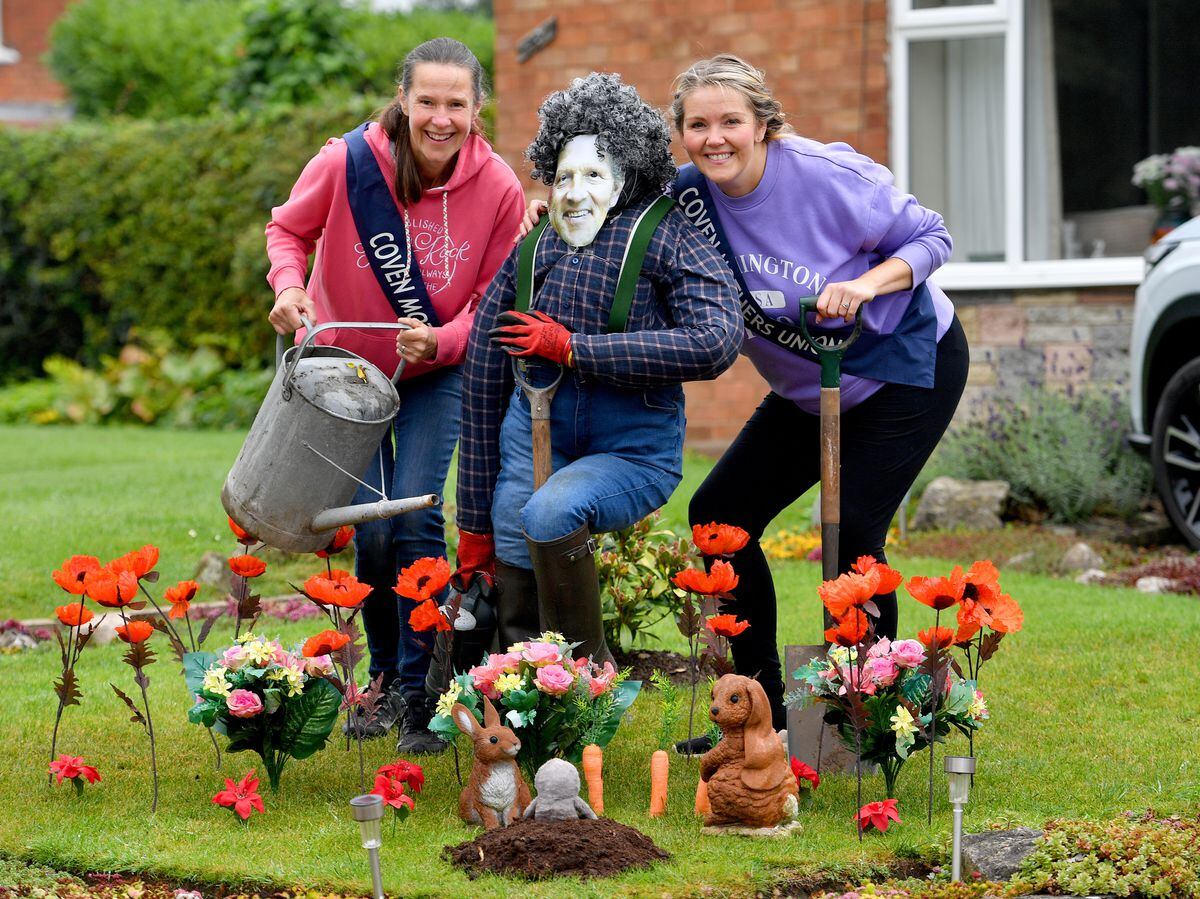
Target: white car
[(1164, 355)]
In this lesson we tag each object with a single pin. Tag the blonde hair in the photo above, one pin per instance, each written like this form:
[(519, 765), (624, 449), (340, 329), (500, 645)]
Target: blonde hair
[(732, 73)]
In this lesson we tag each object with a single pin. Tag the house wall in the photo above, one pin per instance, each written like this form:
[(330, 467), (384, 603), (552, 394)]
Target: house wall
[(29, 95)]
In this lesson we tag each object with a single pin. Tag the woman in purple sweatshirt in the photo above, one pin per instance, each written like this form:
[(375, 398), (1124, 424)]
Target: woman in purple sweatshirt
[(797, 218)]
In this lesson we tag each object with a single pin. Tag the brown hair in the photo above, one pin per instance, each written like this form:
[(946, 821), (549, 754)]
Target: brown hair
[(732, 73), (444, 51)]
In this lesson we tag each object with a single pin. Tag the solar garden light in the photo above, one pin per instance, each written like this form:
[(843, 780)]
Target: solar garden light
[(368, 812), (959, 771)]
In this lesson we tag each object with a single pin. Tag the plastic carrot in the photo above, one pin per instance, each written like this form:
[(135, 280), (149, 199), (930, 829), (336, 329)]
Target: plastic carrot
[(702, 806), (659, 766), (593, 773)]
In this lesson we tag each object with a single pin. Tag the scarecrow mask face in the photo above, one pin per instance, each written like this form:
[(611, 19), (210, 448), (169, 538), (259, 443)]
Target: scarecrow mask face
[(586, 187)]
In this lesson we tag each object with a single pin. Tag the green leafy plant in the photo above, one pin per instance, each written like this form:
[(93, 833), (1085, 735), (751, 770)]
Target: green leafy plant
[(670, 701)]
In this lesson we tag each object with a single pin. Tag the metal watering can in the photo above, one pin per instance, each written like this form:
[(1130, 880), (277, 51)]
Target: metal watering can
[(315, 434)]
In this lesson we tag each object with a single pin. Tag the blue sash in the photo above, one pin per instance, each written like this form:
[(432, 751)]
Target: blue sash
[(381, 229), (905, 356)]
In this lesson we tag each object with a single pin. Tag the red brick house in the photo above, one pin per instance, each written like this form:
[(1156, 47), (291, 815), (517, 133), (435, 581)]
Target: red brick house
[(29, 95)]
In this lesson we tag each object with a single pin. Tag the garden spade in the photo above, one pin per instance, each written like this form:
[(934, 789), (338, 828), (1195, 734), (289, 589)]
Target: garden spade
[(539, 417)]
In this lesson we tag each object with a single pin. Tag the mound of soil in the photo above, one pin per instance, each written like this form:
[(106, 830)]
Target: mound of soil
[(538, 849), (645, 662)]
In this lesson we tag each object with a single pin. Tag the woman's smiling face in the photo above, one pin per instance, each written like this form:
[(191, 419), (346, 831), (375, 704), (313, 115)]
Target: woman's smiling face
[(440, 105), (723, 139)]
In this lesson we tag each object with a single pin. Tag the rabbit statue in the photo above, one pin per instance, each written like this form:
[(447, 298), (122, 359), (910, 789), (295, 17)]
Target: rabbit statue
[(557, 799), (496, 794)]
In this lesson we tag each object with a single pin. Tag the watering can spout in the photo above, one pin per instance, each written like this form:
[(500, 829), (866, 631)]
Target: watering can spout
[(388, 508)]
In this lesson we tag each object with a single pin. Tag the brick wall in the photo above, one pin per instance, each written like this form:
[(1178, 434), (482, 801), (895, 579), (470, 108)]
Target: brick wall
[(28, 92)]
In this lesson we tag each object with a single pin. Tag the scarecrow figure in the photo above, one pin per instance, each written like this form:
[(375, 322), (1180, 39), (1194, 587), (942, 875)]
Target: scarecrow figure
[(626, 300)]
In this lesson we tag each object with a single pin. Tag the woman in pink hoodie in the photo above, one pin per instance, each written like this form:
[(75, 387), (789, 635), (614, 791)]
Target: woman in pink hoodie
[(421, 185)]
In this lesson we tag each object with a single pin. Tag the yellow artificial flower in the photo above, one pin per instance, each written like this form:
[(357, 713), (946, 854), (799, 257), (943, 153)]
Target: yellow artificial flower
[(978, 708), (446, 700), (215, 682), (552, 637), (506, 683), (903, 723), (258, 652)]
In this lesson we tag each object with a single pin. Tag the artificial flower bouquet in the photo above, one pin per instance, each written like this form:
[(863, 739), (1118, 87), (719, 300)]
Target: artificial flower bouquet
[(265, 698), (556, 704)]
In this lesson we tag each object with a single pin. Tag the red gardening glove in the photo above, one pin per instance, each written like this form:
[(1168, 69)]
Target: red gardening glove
[(476, 552), (532, 334)]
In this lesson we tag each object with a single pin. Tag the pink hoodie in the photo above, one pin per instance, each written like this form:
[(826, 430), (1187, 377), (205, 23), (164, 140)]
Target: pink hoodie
[(484, 204)]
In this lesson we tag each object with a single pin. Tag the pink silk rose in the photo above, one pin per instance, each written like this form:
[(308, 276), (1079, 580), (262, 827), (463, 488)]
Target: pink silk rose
[(506, 662), (883, 670), (243, 704), (908, 653), (553, 679), (539, 654), (602, 680), (484, 678), (318, 666)]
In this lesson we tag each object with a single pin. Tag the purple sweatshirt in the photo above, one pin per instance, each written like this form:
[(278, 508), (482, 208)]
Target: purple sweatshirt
[(825, 213)]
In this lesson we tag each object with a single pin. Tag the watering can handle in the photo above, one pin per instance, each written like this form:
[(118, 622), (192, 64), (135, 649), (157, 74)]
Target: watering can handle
[(312, 331)]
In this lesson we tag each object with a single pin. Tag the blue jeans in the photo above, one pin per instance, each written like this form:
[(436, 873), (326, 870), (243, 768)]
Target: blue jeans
[(412, 460), (617, 455)]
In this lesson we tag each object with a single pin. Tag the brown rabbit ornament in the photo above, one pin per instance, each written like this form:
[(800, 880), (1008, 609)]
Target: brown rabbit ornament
[(749, 781), (496, 793)]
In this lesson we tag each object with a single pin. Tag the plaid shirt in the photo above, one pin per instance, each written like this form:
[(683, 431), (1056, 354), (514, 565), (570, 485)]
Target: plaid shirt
[(684, 325)]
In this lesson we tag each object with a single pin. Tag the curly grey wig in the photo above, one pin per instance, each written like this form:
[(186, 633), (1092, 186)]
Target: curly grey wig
[(629, 133)]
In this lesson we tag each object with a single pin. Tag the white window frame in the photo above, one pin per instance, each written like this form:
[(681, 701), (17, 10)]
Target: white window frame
[(7, 54), (1004, 18)]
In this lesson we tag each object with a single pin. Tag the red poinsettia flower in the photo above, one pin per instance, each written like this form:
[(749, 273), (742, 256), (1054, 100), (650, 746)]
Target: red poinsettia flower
[(406, 772), (1007, 617), (135, 631), (428, 617), (241, 797), (719, 539), (71, 767), (323, 644), (847, 591), (247, 565), (878, 815), (720, 580), (140, 562), (180, 597), (888, 578), (804, 772), (338, 588), (71, 576), (392, 791), (341, 539), (110, 588), (74, 615), (423, 579), (939, 592), (244, 537), (726, 625), (850, 630), (939, 637)]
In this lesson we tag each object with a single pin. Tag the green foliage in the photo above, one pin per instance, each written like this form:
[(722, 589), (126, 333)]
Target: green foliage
[(1135, 855), (290, 52), (1064, 453), (924, 889), (670, 699), (635, 568)]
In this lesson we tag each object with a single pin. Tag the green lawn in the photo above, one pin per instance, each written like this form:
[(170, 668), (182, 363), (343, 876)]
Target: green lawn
[(1093, 712)]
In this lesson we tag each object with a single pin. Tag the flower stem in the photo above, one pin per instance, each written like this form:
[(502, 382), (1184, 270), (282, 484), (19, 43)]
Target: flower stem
[(165, 620), (933, 693)]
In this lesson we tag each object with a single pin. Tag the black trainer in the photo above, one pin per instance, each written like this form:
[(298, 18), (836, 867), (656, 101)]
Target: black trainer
[(415, 736), (695, 746), (387, 711)]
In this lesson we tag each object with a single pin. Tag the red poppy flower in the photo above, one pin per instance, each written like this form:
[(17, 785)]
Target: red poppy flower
[(942, 637), (71, 576), (423, 579), (392, 792), (110, 588), (847, 591), (74, 615), (967, 629), (135, 631), (720, 580), (406, 772), (889, 578), (141, 561), (180, 597), (719, 539), (427, 616), (241, 797), (323, 644), (1007, 617), (878, 815), (341, 539), (939, 592), (247, 565), (850, 630), (244, 537), (803, 771), (70, 767), (726, 625), (338, 588)]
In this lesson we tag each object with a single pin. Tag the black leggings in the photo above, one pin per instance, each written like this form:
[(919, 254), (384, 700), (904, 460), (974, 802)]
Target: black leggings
[(886, 441)]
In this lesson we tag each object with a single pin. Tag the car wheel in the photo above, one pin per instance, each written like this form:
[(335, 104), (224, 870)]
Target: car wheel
[(1175, 451)]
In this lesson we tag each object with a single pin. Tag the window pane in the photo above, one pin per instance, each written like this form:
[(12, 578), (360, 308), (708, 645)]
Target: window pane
[(956, 142)]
